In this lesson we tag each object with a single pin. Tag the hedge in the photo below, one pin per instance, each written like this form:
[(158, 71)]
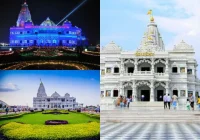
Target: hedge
[(12, 116), (55, 111), (96, 116), (84, 131)]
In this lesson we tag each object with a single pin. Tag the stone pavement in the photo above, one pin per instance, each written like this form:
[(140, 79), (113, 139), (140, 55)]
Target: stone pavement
[(150, 131)]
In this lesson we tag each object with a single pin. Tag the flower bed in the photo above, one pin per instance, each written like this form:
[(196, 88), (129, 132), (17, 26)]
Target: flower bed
[(82, 131), (55, 122)]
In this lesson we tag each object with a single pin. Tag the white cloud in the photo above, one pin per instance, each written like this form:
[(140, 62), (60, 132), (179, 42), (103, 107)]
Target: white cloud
[(8, 87)]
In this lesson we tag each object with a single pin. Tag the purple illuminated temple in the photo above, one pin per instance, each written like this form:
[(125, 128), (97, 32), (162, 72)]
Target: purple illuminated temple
[(46, 34)]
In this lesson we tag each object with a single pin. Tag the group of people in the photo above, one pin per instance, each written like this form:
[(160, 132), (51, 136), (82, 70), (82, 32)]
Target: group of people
[(123, 101), (168, 100)]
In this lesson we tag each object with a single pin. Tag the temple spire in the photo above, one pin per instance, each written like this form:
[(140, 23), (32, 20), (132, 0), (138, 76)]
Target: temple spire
[(41, 90), (24, 15), (152, 40)]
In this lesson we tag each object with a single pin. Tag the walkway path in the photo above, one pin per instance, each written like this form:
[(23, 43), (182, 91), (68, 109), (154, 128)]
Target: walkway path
[(150, 131)]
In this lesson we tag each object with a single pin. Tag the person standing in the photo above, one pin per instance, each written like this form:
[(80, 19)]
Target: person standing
[(188, 104), (121, 102), (128, 102), (174, 102), (142, 97), (165, 101), (7, 110), (191, 98), (168, 101), (198, 102)]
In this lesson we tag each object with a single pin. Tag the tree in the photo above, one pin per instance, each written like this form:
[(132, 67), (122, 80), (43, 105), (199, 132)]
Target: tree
[(1, 105)]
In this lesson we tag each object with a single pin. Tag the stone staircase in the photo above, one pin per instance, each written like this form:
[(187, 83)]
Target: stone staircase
[(133, 116), (148, 112)]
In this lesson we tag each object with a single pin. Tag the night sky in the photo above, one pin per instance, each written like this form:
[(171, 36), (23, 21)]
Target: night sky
[(87, 17)]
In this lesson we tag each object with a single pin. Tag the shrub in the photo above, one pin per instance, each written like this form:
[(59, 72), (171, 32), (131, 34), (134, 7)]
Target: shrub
[(55, 111), (17, 131)]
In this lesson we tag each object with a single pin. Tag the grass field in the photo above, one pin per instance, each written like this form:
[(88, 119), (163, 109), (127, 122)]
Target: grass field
[(39, 118)]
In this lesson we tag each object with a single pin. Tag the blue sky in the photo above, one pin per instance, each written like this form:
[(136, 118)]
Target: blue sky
[(19, 87), (125, 21)]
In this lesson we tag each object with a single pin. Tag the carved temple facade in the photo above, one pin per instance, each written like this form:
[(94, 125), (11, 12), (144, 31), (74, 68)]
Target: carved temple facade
[(151, 70)]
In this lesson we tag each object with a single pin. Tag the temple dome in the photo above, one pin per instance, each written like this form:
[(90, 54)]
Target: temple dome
[(112, 46), (66, 22), (48, 22), (41, 91), (183, 47), (55, 94), (152, 40)]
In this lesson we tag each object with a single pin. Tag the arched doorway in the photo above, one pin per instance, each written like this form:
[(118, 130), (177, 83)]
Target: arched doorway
[(159, 91), (143, 93), (128, 91)]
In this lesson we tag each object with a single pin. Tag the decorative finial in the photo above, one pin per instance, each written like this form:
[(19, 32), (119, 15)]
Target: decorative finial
[(150, 12)]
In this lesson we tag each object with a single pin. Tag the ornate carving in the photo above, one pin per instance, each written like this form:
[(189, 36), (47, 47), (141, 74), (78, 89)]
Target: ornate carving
[(127, 84), (144, 60), (182, 46), (141, 83), (157, 84)]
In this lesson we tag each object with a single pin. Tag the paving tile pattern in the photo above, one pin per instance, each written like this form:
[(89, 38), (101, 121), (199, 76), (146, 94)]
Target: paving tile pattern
[(150, 131)]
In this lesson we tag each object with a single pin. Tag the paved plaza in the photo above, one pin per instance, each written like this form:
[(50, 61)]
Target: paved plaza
[(150, 131)]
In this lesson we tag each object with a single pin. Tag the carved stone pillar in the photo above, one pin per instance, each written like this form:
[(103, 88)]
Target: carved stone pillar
[(152, 91), (167, 66), (122, 66), (167, 87), (134, 91), (121, 88), (136, 66), (152, 65)]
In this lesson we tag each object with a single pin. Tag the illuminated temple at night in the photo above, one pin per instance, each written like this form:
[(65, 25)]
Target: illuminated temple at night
[(46, 34)]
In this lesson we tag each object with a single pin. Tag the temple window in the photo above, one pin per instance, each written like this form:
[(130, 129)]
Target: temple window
[(182, 69), (115, 93), (189, 71), (103, 72), (174, 70), (116, 70), (108, 70)]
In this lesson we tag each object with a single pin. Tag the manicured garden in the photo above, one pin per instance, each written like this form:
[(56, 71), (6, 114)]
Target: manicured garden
[(32, 126)]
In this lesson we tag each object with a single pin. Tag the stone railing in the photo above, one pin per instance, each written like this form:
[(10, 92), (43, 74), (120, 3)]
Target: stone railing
[(159, 74), (138, 73)]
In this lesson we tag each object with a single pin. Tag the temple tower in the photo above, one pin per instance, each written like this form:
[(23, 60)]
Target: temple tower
[(41, 91), (152, 40), (24, 15)]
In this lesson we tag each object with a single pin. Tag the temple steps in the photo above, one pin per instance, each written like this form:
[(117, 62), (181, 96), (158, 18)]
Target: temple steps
[(149, 116)]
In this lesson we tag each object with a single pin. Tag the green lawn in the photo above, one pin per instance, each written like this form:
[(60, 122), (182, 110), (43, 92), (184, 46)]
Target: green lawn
[(39, 118)]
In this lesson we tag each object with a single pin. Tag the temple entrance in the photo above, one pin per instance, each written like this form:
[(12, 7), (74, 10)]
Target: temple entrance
[(129, 93), (160, 94), (175, 92), (115, 93), (146, 95)]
